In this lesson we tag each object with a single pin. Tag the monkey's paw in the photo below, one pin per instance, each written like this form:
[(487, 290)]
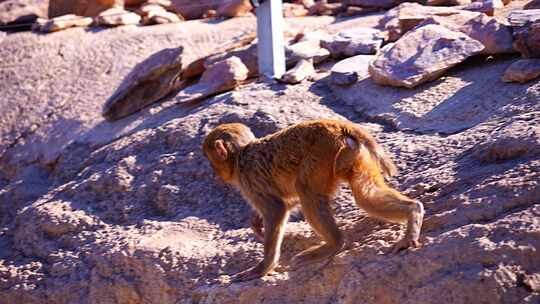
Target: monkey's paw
[(247, 275), (405, 243)]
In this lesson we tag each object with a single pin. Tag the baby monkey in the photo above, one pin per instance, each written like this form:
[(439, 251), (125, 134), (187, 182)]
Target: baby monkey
[(305, 164)]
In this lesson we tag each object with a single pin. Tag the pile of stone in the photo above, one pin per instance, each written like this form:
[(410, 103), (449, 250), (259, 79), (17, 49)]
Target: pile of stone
[(412, 45)]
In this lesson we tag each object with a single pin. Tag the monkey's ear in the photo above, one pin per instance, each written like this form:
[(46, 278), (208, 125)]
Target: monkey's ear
[(220, 149)]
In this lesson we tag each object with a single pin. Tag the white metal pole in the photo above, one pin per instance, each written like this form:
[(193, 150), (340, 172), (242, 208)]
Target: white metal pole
[(271, 43)]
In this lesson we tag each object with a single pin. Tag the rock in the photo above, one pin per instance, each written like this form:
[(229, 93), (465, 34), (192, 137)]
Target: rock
[(308, 49), (447, 2), (210, 14), (494, 35), (294, 10), (527, 40), (148, 82), (507, 148), (148, 7), (64, 22), (394, 21), (160, 17), (90, 8), (522, 71), (422, 55), (534, 4), (488, 7), (218, 78), (247, 54), (323, 8), (351, 42), (520, 18), (357, 10), (116, 17), (380, 4), (235, 8), (301, 71), (19, 13), (351, 70), (189, 10)]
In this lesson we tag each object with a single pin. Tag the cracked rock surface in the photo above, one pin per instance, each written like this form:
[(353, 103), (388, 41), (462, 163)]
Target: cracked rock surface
[(129, 211)]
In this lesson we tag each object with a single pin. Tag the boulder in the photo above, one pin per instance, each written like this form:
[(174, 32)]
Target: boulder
[(351, 70), (294, 10), (493, 34), (235, 8), (90, 8), (218, 78), (422, 55), (488, 7), (447, 2), (527, 40), (308, 49), (522, 71), (148, 82), (160, 17), (64, 22), (302, 70), (355, 41), (117, 16), (358, 10), (22, 12)]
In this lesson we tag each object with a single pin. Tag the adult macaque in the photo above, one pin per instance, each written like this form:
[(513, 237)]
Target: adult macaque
[(306, 163)]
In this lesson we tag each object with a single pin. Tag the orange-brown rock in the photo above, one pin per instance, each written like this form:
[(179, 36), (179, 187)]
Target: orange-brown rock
[(234, 8), (89, 8), (294, 10)]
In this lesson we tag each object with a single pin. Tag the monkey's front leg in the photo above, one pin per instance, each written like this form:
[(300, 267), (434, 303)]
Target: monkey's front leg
[(275, 215)]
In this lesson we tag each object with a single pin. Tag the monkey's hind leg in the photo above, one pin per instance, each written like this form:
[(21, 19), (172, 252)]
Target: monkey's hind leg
[(318, 213), (382, 202)]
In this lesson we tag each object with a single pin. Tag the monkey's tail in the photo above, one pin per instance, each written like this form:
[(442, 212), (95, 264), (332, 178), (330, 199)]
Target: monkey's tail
[(375, 150)]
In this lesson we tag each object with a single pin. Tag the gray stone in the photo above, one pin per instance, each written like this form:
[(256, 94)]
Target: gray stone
[(422, 55), (308, 49), (148, 82), (351, 42), (522, 71), (117, 16), (351, 70), (301, 71)]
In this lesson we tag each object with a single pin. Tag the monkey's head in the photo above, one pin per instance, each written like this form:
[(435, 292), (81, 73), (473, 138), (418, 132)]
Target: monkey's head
[(221, 146)]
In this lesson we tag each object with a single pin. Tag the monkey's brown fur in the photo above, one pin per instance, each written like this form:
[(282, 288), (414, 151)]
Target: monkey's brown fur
[(306, 163)]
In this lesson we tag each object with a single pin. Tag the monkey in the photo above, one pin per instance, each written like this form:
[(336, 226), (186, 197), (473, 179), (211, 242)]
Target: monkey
[(305, 164)]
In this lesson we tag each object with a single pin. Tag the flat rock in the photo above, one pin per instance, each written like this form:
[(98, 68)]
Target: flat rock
[(218, 78), (146, 8), (301, 71), (160, 17), (117, 16), (247, 54), (351, 70), (64, 22), (522, 71), (493, 34), (21, 12), (422, 55), (149, 81), (356, 41), (294, 10)]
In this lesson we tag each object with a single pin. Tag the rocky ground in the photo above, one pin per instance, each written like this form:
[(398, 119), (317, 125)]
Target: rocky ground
[(128, 211)]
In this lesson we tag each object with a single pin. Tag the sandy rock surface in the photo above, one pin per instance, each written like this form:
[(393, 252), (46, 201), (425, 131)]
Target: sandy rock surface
[(129, 212)]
